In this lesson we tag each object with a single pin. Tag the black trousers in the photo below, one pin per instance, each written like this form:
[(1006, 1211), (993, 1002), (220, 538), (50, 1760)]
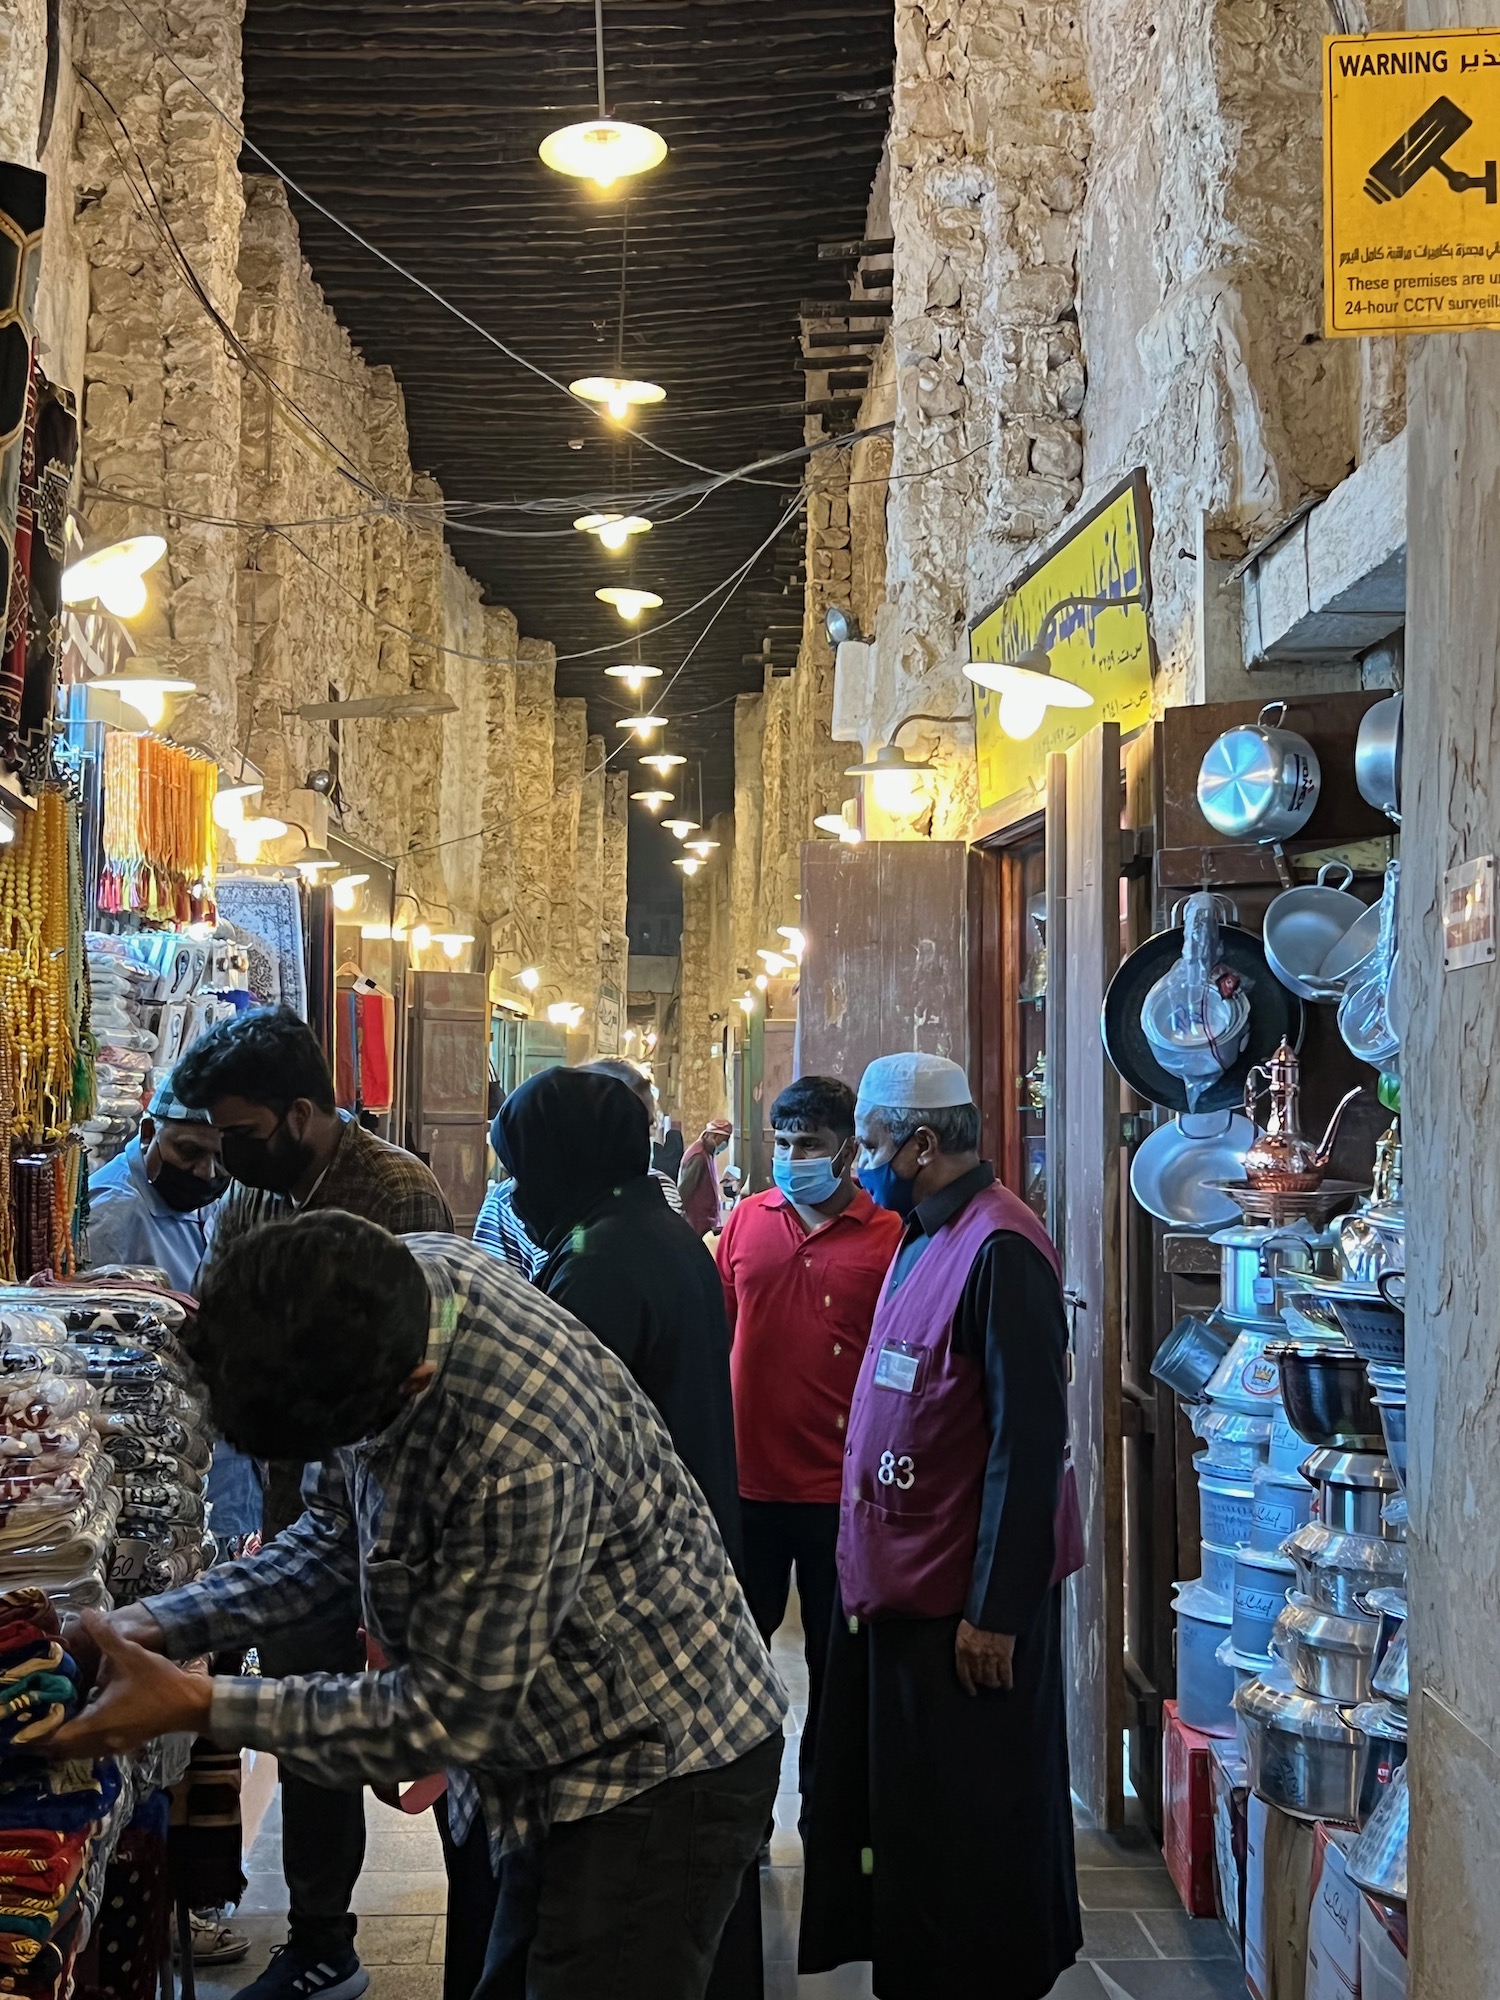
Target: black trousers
[(473, 1891), (780, 1537), (631, 1903), (322, 1831)]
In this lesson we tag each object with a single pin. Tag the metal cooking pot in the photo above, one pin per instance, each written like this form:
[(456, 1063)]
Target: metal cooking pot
[(1327, 1396), (1303, 1756), (1377, 757), (1392, 1677), (1328, 1655), (1353, 1486), (1250, 1262), (1372, 1240), (1173, 1170), (1259, 782), (1383, 1726), (1338, 1571), (1377, 1860), (1303, 925)]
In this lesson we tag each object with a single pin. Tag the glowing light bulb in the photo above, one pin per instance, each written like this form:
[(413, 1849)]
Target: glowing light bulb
[(618, 395), (633, 674), (344, 888), (851, 836), (663, 761), (796, 943), (895, 791), (642, 725), (689, 864), (747, 1003), (124, 595), (603, 150), (1021, 714), (761, 982), (453, 942), (613, 530), (421, 936), (680, 828), (529, 977), (653, 800), (629, 603)]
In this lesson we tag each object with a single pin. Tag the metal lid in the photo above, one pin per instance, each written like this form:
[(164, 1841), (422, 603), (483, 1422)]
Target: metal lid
[(1278, 1475), (1262, 1665), (1317, 1548), (1377, 1860), (1378, 1718), (1195, 1600), (1367, 1471), (1266, 1559), (1392, 1676), (1328, 1631), (1289, 1709)]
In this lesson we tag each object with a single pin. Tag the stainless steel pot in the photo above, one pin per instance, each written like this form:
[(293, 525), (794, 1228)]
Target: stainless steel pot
[(1391, 1677), (1352, 1486), (1377, 757), (1372, 1240), (1329, 1656), (1338, 1570), (1389, 1606), (1302, 925), (1383, 1726), (1251, 1261), (1303, 1756), (1260, 781)]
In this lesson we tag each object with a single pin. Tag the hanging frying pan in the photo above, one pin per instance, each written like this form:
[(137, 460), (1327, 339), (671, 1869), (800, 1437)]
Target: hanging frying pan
[(1274, 1014)]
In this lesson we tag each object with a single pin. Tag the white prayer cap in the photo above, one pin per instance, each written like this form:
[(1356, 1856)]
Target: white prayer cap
[(913, 1082)]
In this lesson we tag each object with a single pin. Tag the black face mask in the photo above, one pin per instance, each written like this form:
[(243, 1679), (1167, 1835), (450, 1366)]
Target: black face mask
[(275, 1164), (186, 1191)]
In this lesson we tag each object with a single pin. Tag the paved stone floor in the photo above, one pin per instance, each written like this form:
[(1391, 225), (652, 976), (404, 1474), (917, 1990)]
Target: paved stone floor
[(1138, 1943)]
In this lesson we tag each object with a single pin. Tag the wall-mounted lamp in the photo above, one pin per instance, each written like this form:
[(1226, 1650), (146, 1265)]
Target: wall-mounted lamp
[(1027, 685)]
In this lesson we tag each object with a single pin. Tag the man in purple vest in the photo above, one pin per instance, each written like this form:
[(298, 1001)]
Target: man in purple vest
[(940, 1841)]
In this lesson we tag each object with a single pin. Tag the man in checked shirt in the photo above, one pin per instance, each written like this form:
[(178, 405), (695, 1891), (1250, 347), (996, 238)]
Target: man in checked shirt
[(567, 1637)]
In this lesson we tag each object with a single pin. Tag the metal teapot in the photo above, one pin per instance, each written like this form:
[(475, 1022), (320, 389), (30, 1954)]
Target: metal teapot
[(1280, 1158)]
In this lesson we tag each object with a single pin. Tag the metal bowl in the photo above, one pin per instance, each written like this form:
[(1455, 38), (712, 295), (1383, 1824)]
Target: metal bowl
[(1327, 1396)]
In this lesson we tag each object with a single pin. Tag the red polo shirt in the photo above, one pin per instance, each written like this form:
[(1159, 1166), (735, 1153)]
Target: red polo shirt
[(800, 1306)]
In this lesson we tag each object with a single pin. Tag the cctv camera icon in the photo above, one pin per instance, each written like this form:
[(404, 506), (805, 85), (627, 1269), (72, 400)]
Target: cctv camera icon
[(1421, 149)]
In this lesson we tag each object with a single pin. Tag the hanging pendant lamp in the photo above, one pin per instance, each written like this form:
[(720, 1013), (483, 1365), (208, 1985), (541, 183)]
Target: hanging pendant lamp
[(612, 531), (619, 394), (629, 603), (603, 149)]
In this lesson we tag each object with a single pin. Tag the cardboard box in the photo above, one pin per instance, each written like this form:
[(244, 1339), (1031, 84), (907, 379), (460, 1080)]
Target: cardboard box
[(1333, 1966), (1229, 1781), (1382, 1951), (1187, 1813), (1278, 1894)]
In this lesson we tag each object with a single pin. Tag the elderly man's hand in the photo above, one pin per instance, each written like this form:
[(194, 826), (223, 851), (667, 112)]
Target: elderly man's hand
[(983, 1659), (131, 1621), (140, 1696)]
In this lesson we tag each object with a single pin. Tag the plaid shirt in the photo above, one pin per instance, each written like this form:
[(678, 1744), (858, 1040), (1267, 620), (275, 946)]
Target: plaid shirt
[(367, 1176), (535, 1561)]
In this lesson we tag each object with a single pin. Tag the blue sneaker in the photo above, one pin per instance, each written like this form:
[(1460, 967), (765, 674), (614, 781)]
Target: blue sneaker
[(296, 1975)]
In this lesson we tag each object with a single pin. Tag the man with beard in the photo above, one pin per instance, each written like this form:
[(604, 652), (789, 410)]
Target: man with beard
[(266, 1087)]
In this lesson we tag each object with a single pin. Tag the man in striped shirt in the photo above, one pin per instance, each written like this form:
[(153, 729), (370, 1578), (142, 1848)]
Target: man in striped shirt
[(567, 1637)]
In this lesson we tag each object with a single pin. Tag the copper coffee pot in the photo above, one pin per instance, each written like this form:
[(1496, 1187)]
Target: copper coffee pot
[(1280, 1158)]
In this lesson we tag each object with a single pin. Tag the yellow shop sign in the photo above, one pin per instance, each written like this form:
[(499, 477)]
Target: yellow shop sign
[(1104, 649), (1411, 201)]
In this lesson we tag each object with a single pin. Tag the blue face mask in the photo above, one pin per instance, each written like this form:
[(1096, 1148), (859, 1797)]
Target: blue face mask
[(807, 1182), (886, 1188)]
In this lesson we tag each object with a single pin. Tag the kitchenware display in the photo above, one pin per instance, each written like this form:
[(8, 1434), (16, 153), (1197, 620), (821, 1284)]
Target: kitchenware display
[(1391, 1676), (1374, 1328), (1283, 1503), (1196, 1017), (1248, 1378), (1352, 1487), (1395, 1517), (1383, 1725), (1175, 1168), (1259, 781), (1373, 1238), (1279, 1206), (1216, 1567), (1288, 1447), (1248, 1667), (1302, 926), (1252, 1259), (1389, 1384), (1377, 1860), (1327, 1396), (1338, 1570), (1368, 1013), (1226, 1503), (1262, 1579), (1377, 757), (1280, 1158), (1237, 1441), (1389, 1606), (1303, 1756), (1353, 949), (1189, 1355), (1205, 1686), (1276, 1016), (1326, 1654)]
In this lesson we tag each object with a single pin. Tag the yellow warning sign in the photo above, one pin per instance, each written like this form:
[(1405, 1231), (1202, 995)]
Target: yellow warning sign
[(1411, 202)]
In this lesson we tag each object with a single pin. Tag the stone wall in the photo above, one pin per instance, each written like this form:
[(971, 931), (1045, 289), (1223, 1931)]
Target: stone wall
[(209, 418), (708, 1006)]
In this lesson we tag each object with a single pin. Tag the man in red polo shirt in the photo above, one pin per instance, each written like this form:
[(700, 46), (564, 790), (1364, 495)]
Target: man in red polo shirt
[(802, 1266)]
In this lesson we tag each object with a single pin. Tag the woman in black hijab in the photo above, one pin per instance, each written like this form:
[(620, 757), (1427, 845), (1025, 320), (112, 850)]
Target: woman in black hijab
[(579, 1146)]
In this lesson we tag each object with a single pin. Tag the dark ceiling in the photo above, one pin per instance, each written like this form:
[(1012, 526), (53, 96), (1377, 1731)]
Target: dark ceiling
[(419, 123)]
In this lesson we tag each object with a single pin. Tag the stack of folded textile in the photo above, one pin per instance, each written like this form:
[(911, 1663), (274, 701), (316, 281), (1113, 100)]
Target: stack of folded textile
[(57, 1506), (49, 1812)]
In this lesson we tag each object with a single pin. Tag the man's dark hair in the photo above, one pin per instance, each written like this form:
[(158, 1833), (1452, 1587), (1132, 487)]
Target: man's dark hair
[(623, 1072), (813, 1102), (305, 1332), (269, 1056)]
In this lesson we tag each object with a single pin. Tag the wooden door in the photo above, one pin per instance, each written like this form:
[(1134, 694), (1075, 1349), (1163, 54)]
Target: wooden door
[(450, 1074), (1083, 869)]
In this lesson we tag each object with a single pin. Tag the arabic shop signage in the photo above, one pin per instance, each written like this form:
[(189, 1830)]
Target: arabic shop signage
[(1411, 203), (1107, 553)]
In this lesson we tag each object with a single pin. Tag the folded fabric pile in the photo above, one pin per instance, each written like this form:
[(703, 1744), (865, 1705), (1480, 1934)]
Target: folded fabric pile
[(48, 1812), (57, 1504)]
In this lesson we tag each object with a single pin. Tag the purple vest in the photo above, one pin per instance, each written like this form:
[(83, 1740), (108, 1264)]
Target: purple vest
[(919, 1434)]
